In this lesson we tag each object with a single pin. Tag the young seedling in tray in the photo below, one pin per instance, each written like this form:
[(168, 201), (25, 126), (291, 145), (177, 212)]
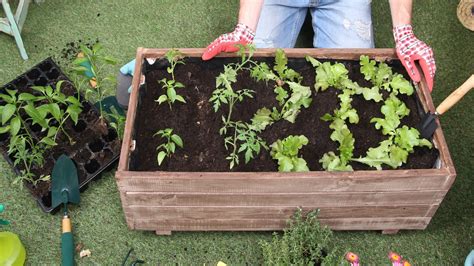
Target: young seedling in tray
[(49, 110)]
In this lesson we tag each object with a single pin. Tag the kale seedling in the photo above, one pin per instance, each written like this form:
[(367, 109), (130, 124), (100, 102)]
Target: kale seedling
[(286, 152), (168, 148), (174, 57)]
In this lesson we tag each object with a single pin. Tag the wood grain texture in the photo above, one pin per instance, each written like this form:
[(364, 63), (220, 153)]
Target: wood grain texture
[(274, 212), (322, 199), (263, 182), (408, 223)]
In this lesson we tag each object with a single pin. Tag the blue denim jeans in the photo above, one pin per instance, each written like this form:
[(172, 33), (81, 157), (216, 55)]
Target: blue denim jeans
[(336, 23)]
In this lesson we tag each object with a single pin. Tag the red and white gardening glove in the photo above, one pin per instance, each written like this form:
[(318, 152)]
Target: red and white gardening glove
[(410, 49), (227, 42)]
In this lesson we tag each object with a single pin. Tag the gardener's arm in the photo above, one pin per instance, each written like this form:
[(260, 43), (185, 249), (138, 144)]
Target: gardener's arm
[(409, 48), (243, 33)]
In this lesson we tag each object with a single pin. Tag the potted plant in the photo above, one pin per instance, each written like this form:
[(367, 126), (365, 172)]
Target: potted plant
[(334, 109)]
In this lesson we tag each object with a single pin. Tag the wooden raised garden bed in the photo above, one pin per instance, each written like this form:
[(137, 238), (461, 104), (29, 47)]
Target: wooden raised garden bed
[(196, 191)]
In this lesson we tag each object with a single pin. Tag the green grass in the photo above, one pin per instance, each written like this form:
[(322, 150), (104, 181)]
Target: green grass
[(122, 26)]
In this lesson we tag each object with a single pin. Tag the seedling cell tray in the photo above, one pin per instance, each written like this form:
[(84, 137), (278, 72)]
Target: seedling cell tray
[(197, 192), (96, 145)]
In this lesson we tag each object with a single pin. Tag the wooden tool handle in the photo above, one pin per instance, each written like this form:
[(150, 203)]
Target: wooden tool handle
[(457, 95)]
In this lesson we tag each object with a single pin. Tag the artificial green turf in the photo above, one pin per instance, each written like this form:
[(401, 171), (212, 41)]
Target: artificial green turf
[(122, 26)]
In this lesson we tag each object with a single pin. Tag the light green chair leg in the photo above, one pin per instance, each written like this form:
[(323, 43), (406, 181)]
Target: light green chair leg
[(21, 12), (12, 27)]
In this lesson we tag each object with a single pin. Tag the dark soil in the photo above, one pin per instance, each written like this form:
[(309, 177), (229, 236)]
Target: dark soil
[(198, 124), (94, 146)]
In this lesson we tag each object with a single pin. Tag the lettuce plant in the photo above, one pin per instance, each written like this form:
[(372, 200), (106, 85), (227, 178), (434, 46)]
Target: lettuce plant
[(286, 153)]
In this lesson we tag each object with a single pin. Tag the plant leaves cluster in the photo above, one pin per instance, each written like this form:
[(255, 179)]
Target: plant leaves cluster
[(240, 137), (47, 108), (167, 148), (290, 93), (304, 242), (90, 69), (174, 57), (393, 151), (286, 153)]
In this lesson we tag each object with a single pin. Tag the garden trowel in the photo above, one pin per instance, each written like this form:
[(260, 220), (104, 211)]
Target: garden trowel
[(428, 123), (65, 189)]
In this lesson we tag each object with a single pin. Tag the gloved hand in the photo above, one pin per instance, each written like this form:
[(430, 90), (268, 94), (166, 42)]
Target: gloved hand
[(409, 49), (128, 68), (227, 42)]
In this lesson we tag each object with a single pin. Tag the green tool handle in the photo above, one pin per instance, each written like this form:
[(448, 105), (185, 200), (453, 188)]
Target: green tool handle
[(67, 243)]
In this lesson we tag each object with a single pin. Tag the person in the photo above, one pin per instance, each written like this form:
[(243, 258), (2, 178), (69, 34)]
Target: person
[(336, 24)]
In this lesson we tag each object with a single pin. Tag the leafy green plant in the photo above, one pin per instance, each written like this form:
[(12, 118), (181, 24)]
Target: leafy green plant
[(174, 57), (291, 100), (382, 77), (100, 81), (240, 137), (245, 140), (50, 109), (393, 151), (55, 99), (117, 121), (304, 242), (286, 152), (169, 146)]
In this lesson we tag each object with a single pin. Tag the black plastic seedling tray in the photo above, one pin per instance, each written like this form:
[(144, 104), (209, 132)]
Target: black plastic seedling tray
[(96, 149)]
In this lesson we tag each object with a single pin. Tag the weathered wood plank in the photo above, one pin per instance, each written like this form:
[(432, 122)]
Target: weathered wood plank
[(276, 182), (272, 212), (347, 54), (407, 223), (322, 199)]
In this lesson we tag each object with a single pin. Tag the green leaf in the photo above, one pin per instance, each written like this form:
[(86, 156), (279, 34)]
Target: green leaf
[(35, 115), (180, 98), (367, 67), (160, 157), (177, 139), (48, 141), (280, 62), (400, 84), (74, 112), (285, 164), (313, 61), (4, 129), (15, 125), (261, 119), (55, 111), (26, 97), (7, 112), (171, 92), (163, 98), (372, 94)]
